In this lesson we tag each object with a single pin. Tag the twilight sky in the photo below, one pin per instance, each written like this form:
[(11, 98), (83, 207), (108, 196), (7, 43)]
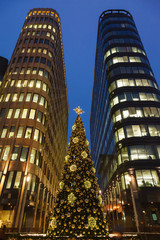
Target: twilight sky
[(79, 21)]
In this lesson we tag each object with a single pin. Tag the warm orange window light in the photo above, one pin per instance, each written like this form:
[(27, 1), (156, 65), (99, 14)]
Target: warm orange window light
[(30, 13), (52, 13), (43, 12), (39, 12), (47, 12), (35, 12)]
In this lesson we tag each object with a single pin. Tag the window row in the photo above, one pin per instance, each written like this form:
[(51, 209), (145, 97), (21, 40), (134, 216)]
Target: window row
[(131, 82), (120, 33), (38, 26), (124, 50), (39, 33), (37, 40), (134, 96), (125, 59), (28, 132), (24, 113), (42, 12), (40, 71), (138, 152), (136, 112), (144, 178), (129, 70), (41, 19), (137, 131), (35, 60), (35, 50), (108, 26), (27, 83), (118, 19), (121, 40), (28, 97)]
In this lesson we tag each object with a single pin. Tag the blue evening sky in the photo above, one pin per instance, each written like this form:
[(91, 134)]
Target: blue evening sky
[(79, 21)]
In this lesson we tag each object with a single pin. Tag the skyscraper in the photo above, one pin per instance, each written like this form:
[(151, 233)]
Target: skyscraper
[(33, 124), (125, 125)]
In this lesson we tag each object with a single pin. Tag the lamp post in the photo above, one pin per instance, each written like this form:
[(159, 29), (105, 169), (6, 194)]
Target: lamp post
[(27, 179)]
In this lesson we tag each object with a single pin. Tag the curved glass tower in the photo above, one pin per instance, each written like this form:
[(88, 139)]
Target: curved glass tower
[(125, 125), (33, 124)]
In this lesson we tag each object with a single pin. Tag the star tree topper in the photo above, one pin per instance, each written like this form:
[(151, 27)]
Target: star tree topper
[(78, 110)]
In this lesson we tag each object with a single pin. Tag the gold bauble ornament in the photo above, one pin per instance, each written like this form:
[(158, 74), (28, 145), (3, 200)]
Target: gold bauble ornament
[(87, 184), (74, 127), (73, 168), (87, 143), (58, 210), (78, 209), (100, 199), (86, 200), (75, 140), (68, 214), (84, 154), (92, 222), (61, 185), (71, 198), (53, 223), (93, 169), (67, 158)]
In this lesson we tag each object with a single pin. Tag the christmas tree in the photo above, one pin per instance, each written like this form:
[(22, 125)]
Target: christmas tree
[(78, 208)]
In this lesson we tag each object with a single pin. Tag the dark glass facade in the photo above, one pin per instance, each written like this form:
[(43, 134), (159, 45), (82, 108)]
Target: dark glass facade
[(3, 67), (33, 124), (125, 125)]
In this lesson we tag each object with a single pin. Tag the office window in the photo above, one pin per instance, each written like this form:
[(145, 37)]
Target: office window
[(4, 132), (48, 34), (28, 50), (41, 40), (46, 74), (3, 112), (32, 114), (28, 97), (28, 132), (22, 71), (17, 180), (39, 116), (33, 50), (25, 59), (10, 111), (36, 59), (31, 84), (14, 155), (121, 134), (9, 181), (34, 70), (43, 60), (38, 84), (35, 98), (41, 101), (14, 98), (24, 113), (147, 178), (44, 87), (40, 71), (20, 132), (21, 96), (39, 50), (30, 59), (32, 156), (5, 153), (25, 83), (48, 63), (12, 130), (28, 71), (17, 112), (36, 40), (36, 135), (24, 154), (45, 51), (18, 83), (7, 97), (19, 59)]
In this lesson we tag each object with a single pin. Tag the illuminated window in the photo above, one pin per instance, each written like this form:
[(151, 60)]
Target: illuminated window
[(20, 132), (40, 71), (44, 87), (12, 83), (14, 98), (17, 112), (46, 104), (45, 51), (12, 130), (33, 50), (39, 50), (9, 181), (10, 111), (32, 114), (28, 132), (38, 84), (32, 156), (36, 135), (17, 180), (7, 97), (28, 50), (28, 71), (4, 132), (147, 178), (23, 50), (24, 154), (21, 96), (44, 26), (24, 113), (28, 97), (31, 84), (25, 83), (39, 116), (5, 153), (41, 101), (14, 154), (34, 71), (48, 34), (35, 98)]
